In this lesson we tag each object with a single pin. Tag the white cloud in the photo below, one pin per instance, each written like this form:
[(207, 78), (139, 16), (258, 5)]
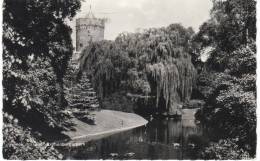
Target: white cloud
[(131, 4)]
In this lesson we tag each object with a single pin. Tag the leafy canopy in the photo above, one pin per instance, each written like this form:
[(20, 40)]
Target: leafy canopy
[(151, 63)]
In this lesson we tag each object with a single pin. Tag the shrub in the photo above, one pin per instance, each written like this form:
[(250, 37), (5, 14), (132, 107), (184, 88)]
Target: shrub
[(225, 149), (20, 143)]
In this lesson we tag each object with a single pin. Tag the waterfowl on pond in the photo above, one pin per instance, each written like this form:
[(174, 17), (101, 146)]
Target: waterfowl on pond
[(129, 154), (176, 145), (113, 154), (151, 117), (191, 145), (140, 139)]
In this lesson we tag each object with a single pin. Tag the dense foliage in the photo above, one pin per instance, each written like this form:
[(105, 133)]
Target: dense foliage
[(20, 144), (37, 46), (151, 63), (225, 150), (232, 23), (228, 81), (33, 98)]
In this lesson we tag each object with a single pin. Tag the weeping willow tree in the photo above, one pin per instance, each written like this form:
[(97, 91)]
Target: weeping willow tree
[(174, 80), (152, 63)]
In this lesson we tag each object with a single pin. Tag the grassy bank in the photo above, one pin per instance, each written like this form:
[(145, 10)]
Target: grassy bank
[(107, 122)]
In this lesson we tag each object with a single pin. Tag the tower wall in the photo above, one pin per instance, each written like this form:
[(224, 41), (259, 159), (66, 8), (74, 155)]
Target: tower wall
[(88, 29)]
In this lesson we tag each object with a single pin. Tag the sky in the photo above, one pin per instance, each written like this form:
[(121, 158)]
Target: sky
[(130, 15)]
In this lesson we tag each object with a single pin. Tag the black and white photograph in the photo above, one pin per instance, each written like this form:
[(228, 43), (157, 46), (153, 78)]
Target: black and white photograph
[(129, 80)]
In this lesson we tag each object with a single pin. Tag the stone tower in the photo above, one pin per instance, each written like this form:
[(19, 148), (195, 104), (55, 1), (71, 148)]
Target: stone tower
[(89, 29)]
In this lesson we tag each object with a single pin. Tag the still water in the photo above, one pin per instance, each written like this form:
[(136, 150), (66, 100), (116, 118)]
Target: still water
[(159, 139)]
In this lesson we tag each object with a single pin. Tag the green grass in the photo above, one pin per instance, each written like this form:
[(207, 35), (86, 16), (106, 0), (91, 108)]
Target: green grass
[(107, 122)]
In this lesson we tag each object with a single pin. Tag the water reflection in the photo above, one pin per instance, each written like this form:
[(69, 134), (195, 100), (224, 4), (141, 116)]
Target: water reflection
[(160, 139)]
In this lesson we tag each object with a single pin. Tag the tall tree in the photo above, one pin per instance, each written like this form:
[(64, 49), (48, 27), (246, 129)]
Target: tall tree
[(232, 23), (228, 84), (38, 28), (35, 31), (36, 49)]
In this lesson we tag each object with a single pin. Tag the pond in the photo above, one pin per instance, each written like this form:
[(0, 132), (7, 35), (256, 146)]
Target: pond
[(159, 139)]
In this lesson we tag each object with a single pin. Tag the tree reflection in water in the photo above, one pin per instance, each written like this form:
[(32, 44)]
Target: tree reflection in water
[(160, 139)]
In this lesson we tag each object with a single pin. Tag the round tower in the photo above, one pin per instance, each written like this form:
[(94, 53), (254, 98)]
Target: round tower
[(89, 29)]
